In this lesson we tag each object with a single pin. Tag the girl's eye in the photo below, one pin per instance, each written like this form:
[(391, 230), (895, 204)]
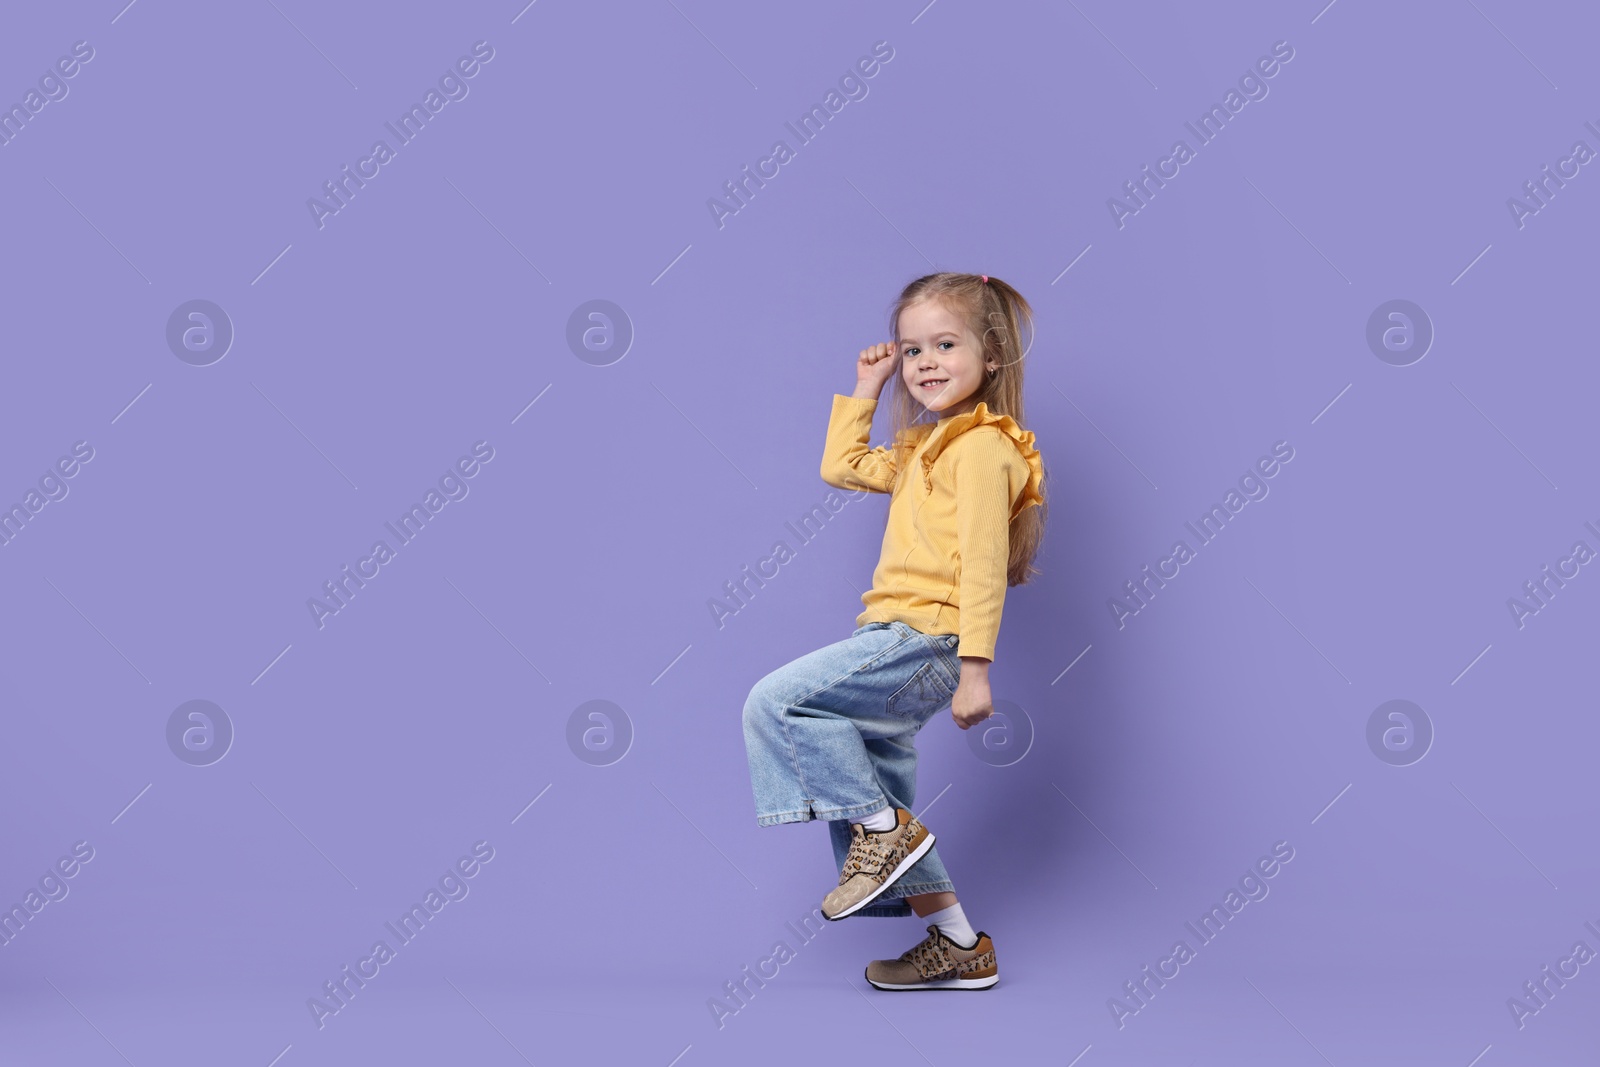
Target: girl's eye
[(911, 351), (952, 343)]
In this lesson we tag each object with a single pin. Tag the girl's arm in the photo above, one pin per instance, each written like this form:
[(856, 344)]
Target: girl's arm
[(990, 475), (847, 462)]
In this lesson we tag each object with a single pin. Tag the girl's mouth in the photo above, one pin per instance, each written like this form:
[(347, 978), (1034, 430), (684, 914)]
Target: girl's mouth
[(934, 384)]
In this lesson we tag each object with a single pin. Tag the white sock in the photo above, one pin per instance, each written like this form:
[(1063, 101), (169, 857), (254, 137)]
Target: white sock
[(952, 922), (878, 821)]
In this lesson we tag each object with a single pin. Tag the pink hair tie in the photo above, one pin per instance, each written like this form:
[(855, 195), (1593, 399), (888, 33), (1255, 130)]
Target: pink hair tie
[(985, 279)]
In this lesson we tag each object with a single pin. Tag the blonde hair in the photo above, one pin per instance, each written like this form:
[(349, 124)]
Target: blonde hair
[(997, 315)]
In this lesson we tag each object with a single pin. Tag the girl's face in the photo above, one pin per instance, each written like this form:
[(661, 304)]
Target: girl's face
[(940, 358)]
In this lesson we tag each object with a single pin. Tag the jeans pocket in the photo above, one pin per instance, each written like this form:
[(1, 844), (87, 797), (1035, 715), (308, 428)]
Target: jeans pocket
[(942, 647), (925, 692)]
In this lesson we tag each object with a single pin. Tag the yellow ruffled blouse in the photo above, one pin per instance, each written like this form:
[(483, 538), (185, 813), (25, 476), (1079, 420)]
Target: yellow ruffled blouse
[(945, 548)]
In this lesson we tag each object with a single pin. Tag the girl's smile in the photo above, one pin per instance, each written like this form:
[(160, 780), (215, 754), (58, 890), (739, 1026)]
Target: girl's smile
[(941, 361)]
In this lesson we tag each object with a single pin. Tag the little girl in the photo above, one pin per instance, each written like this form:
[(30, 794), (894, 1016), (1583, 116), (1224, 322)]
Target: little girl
[(832, 735)]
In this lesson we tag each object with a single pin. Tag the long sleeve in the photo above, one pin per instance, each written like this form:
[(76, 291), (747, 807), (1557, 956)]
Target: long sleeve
[(990, 475), (847, 462)]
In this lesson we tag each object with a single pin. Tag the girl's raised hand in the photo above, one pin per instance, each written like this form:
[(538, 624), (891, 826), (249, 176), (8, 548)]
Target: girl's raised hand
[(876, 365)]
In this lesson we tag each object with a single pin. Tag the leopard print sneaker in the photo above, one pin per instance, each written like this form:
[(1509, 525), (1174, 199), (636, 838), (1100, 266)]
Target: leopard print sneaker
[(936, 962), (875, 861)]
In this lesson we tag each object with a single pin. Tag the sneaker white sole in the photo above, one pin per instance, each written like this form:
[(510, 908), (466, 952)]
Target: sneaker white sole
[(905, 865), (948, 983)]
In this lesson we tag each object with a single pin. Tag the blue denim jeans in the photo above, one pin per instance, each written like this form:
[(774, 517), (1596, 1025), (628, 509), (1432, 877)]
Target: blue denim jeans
[(832, 735)]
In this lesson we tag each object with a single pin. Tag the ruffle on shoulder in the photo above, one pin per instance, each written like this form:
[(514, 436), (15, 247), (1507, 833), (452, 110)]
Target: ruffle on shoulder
[(948, 430)]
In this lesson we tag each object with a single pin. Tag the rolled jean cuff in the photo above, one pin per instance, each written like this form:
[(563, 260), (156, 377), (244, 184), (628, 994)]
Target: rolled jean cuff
[(829, 814), (894, 906), (900, 889)]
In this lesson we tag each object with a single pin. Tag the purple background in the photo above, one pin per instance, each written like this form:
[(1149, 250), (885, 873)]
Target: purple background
[(431, 311)]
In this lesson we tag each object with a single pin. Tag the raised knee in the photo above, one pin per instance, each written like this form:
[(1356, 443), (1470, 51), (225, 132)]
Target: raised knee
[(762, 703)]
